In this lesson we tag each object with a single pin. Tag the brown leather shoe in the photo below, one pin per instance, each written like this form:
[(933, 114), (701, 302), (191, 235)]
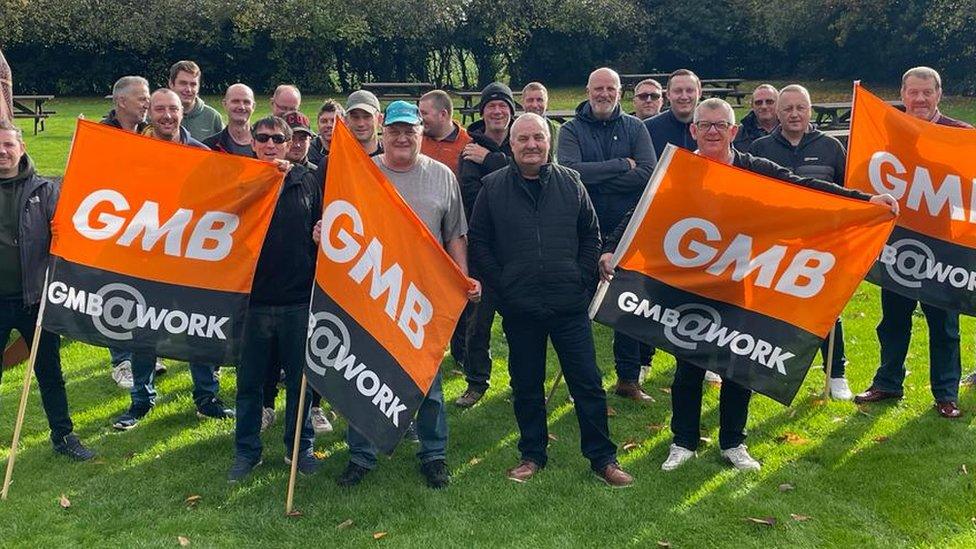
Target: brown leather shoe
[(523, 471), (948, 409), (614, 476), (633, 391), (875, 395), (469, 398)]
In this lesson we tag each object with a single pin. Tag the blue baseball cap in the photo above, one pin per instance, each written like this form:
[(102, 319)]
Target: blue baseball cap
[(401, 112)]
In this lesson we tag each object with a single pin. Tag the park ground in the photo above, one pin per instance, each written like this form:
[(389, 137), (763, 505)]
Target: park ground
[(834, 474)]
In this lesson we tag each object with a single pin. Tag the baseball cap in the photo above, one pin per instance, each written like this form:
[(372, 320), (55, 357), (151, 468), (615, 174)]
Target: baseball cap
[(403, 113), (298, 122), (365, 100)]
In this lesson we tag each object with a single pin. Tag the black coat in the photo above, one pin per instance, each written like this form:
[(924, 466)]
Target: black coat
[(470, 173), (538, 257), (816, 155)]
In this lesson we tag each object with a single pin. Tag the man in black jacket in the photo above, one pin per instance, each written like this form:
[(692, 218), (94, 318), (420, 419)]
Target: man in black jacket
[(27, 204), (807, 152), (235, 138), (277, 319), (488, 151), (674, 125), (614, 157), (761, 120), (714, 129), (535, 240)]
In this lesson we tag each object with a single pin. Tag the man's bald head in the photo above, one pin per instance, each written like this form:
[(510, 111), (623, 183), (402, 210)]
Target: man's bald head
[(164, 95), (239, 103), (603, 92), (603, 73)]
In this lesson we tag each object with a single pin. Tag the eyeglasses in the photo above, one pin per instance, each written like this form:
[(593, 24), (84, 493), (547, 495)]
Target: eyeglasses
[(265, 137), (648, 96), (721, 125), (763, 101)]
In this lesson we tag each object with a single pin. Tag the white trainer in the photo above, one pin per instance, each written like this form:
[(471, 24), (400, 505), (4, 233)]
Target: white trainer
[(676, 457), (320, 423), (642, 376), (741, 459), (712, 377), (267, 418), (122, 374), (840, 390)]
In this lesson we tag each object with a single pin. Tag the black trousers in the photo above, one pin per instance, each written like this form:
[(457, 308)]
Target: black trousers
[(15, 316), (686, 403), (572, 338), (477, 341)]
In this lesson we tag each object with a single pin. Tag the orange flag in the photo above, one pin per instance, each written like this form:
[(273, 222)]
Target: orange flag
[(930, 169), (385, 301), (739, 273)]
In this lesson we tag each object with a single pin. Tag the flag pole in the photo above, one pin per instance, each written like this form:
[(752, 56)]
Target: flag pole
[(555, 385), (289, 499), (828, 366), (24, 394)]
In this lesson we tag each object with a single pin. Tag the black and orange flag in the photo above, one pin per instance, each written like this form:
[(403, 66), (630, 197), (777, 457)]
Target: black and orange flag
[(155, 244), (930, 169), (738, 273), (385, 301)]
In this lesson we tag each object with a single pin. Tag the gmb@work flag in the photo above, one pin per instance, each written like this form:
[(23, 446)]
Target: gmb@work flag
[(155, 244), (930, 169), (385, 301), (736, 272)]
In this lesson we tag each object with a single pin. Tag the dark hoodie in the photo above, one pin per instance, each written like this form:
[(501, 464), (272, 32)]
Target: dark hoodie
[(817, 154), (111, 119), (470, 172), (11, 190), (598, 150), (749, 131)]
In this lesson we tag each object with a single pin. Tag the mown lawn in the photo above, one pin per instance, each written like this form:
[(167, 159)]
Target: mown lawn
[(886, 475)]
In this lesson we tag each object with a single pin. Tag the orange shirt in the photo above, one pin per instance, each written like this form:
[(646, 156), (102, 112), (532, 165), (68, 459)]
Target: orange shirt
[(447, 150)]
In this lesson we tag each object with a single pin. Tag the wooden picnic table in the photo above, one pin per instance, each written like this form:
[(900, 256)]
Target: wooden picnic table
[(382, 90), (22, 108), (471, 97), (837, 114)]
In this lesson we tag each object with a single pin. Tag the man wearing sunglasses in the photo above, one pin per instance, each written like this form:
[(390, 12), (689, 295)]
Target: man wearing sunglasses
[(277, 319), (648, 98), (761, 120), (714, 130)]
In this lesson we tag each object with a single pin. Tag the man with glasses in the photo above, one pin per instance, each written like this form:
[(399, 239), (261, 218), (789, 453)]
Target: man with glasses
[(714, 130), (648, 98), (286, 98), (761, 120)]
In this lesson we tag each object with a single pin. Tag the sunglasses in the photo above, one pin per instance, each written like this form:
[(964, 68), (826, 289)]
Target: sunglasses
[(265, 137), (763, 101), (648, 96)]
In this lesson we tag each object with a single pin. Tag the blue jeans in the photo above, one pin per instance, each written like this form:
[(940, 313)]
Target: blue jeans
[(118, 355), (431, 430), (272, 335), (205, 383)]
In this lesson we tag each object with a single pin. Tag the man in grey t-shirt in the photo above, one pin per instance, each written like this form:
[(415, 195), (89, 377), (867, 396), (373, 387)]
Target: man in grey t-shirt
[(432, 191)]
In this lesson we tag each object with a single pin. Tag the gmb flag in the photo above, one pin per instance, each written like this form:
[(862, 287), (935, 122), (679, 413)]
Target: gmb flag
[(736, 272), (385, 301), (930, 169), (155, 245)]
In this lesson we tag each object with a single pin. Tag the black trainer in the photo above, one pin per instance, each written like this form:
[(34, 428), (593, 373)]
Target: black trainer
[(215, 409), (130, 419), (241, 468), (436, 473), (308, 464), (411, 433), (72, 447), (353, 475)]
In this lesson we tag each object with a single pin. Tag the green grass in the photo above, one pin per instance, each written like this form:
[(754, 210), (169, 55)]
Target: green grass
[(885, 475)]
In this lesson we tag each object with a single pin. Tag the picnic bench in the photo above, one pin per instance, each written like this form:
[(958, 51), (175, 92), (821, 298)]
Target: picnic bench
[(23, 109), (723, 88), (470, 98), (398, 91), (837, 114)]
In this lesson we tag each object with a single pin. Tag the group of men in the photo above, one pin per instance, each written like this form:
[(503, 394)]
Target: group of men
[(534, 210)]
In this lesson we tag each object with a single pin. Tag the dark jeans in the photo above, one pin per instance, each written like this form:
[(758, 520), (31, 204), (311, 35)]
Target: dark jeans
[(459, 339), (572, 338), (838, 368), (271, 378), (272, 335), (686, 401), (431, 430), (47, 366), (118, 355), (629, 355), (895, 333), (143, 392), (477, 348)]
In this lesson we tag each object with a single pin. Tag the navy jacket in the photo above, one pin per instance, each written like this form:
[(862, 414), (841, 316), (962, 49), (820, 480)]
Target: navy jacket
[(666, 128)]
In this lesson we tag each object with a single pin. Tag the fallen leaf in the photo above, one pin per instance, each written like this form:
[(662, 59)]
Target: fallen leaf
[(344, 524), (836, 419), (786, 487), (321, 454), (553, 437), (963, 469), (792, 413), (765, 521), (705, 440), (333, 416), (192, 500), (378, 535), (64, 502), (666, 390), (183, 540), (518, 480), (880, 439), (792, 438), (629, 445), (655, 427), (474, 461), (799, 518), (611, 412), (662, 543), (294, 513), (818, 402), (99, 461)]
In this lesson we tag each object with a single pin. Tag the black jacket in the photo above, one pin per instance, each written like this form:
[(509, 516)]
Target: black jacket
[(763, 167), (470, 172), (38, 200), (666, 128), (749, 131), (539, 257), (816, 155), (221, 141), (286, 267), (111, 119)]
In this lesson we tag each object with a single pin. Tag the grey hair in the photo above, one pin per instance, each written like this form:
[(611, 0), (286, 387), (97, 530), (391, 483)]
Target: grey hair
[(123, 84), (9, 126), (769, 87), (925, 73), (613, 73), (715, 104), (533, 117), (796, 88)]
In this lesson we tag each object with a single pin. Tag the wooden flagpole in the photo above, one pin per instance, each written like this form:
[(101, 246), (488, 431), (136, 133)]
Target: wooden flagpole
[(830, 360), (289, 499)]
